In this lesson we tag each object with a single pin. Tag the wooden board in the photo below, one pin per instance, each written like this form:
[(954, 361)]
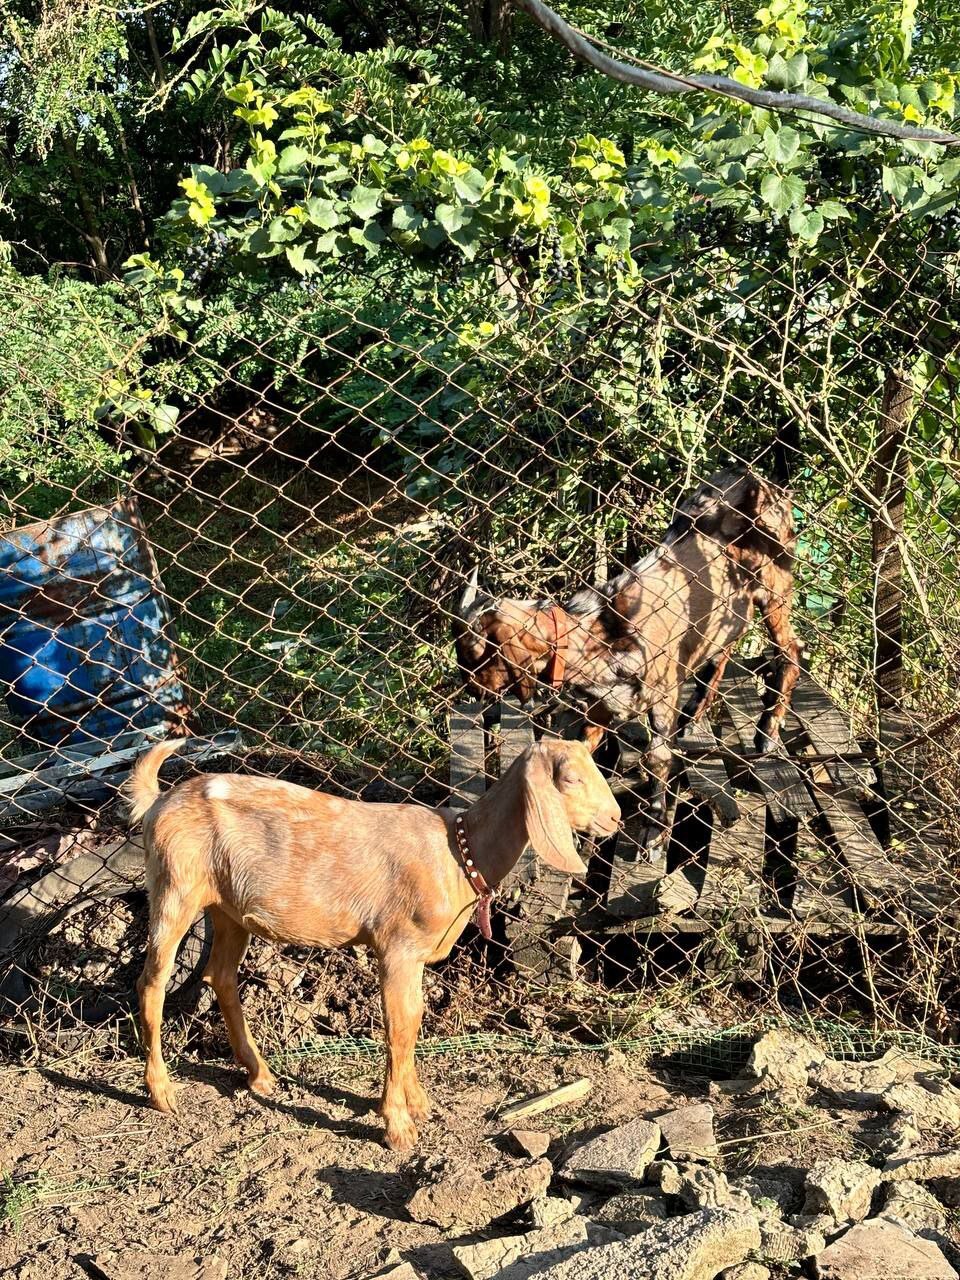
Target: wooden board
[(633, 877), (468, 779), (516, 734), (779, 779), (822, 896), (873, 871), (828, 731), (735, 855), (707, 777)]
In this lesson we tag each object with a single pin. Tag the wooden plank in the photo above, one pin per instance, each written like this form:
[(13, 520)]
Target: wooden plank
[(822, 895), (633, 880), (872, 871), (779, 779), (829, 731), (516, 734), (735, 862), (707, 778), (468, 779), (575, 1091)]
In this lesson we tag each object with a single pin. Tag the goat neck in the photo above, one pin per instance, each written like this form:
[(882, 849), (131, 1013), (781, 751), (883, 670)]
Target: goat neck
[(496, 827)]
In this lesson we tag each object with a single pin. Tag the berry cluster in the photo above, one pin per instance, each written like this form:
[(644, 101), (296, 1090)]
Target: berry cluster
[(557, 268), (310, 286), (201, 259)]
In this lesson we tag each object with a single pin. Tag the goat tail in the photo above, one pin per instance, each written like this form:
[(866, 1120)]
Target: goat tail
[(142, 787)]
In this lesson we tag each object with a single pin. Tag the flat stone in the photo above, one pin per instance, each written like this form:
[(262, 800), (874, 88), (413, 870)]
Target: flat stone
[(695, 1247), (633, 1213), (466, 1200), (766, 1192), (882, 1250), (859, 1084), (914, 1205), (688, 1132), (545, 1210), (922, 1166), (616, 1159), (782, 1243), (783, 1060), (841, 1189), (697, 1185), (933, 1104), (487, 1258), (746, 1271), (530, 1142), (399, 1271)]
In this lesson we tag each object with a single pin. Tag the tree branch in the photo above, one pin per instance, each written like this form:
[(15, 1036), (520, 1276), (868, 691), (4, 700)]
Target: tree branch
[(660, 81)]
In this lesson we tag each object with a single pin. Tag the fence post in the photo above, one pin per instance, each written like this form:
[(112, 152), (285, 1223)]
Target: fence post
[(889, 484)]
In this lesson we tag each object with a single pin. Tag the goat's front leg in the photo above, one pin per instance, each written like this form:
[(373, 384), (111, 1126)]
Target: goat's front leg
[(776, 699), (658, 760), (404, 1101)]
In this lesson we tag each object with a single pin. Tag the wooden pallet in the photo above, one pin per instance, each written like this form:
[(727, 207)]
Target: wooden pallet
[(774, 843)]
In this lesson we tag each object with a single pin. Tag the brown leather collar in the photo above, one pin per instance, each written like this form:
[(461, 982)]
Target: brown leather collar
[(557, 623), (478, 884)]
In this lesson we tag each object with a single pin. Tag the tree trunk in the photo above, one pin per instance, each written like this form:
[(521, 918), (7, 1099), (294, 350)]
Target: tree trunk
[(889, 484), (490, 22)]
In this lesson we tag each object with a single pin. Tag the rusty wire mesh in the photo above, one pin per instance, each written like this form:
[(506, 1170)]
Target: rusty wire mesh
[(335, 473)]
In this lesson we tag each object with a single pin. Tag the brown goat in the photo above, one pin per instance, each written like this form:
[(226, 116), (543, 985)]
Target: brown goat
[(269, 858), (627, 647)]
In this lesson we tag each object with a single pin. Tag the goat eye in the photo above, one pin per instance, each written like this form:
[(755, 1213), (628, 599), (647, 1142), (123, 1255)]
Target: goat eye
[(571, 781)]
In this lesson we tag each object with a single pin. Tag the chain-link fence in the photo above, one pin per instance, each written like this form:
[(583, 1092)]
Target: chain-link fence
[(279, 576)]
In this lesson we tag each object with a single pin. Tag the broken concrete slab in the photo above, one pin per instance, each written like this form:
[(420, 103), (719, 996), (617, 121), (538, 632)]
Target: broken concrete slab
[(767, 1192), (617, 1159), (783, 1060), (782, 1243), (914, 1205), (688, 1132), (466, 1200), (696, 1246), (932, 1104), (486, 1258), (922, 1166), (530, 1142), (697, 1185), (859, 1084), (841, 1189), (633, 1213), (547, 1210), (882, 1250)]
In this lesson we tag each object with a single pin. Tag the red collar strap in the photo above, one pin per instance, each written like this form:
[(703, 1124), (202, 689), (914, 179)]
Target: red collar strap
[(557, 623), (484, 892)]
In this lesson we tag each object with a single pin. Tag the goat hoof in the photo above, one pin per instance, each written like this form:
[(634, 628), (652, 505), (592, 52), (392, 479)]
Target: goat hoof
[(263, 1084), (401, 1135), (163, 1097)]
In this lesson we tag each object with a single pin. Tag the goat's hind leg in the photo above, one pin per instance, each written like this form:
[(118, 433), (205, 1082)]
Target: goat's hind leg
[(658, 759), (230, 941), (170, 918), (779, 690)]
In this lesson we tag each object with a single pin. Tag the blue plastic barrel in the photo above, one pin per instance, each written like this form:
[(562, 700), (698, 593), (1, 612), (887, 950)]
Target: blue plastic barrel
[(86, 650)]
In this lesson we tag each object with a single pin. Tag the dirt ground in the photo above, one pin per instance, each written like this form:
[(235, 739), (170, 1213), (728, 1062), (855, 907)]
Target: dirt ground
[(95, 1184)]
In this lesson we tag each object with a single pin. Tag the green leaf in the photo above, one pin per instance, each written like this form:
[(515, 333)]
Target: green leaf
[(433, 235), (806, 223), (322, 213), (782, 192), (282, 230), (834, 211), (372, 145), (297, 257), (451, 217), (292, 158), (365, 202), (781, 146), (407, 218), (897, 180), (470, 186)]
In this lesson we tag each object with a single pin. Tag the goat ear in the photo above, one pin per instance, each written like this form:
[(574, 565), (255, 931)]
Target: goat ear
[(548, 828)]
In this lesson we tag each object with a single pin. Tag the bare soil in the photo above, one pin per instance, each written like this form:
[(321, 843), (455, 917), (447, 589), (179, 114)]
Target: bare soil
[(93, 1183)]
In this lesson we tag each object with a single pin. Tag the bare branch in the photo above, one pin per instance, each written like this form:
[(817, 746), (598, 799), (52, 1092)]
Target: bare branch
[(660, 81)]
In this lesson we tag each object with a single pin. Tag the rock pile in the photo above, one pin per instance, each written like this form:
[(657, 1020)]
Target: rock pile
[(647, 1198)]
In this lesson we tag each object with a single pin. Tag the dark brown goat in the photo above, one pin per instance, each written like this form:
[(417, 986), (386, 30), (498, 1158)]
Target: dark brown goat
[(627, 647)]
